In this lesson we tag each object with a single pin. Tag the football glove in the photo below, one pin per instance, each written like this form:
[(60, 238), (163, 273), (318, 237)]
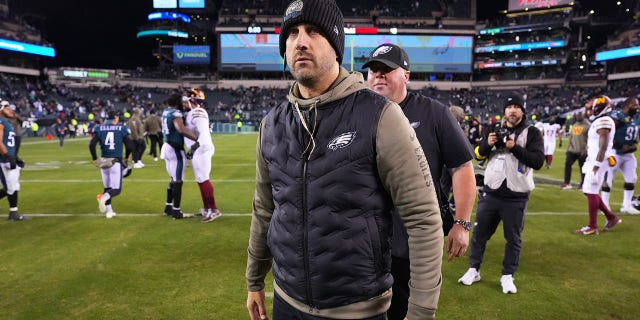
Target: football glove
[(12, 161), (126, 172), (19, 162), (103, 163), (192, 150)]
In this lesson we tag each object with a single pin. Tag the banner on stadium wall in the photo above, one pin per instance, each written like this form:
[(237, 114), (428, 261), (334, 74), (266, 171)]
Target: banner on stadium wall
[(618, 54), (427, 53), (191, 4), (165, 4), (191, 54), (521, 5), (29, 48)]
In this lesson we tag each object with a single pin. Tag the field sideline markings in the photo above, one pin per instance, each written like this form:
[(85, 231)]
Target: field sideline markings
[(55, 140), (188, 215), (130, 180), (537, 213)]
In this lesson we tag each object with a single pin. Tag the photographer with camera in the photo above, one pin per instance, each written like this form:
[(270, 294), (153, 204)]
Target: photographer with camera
[(513, 149)]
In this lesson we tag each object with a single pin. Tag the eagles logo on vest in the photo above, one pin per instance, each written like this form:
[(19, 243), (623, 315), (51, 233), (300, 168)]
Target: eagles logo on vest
[(341, 141), (415, 124)]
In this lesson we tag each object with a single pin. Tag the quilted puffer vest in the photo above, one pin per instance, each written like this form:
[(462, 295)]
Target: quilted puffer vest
[(329, 234)]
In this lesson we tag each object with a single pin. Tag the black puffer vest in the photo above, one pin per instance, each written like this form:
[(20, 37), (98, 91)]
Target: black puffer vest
[(329, 234)]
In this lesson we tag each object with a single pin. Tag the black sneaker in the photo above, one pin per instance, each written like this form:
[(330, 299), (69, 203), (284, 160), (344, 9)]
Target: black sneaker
[(15, 216), (177, 214), (168, 211)]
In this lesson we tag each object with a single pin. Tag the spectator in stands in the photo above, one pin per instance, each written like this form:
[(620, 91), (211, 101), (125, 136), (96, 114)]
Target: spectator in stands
[(137, 135), (445, 146), (153, 129), (331, 163), (576, 148), (599, 149)]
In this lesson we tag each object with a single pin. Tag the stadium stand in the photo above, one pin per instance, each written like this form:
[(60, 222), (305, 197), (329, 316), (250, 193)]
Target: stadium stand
[(545, 54)]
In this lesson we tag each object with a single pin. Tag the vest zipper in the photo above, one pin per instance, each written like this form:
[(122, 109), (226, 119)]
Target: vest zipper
[(305, 219), (305, 222)]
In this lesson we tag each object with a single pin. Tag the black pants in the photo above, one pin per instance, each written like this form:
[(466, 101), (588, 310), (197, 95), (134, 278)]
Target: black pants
[(400, 300), (491, 210), (156, 142), (568, 163), (138, 149), (283, 311)]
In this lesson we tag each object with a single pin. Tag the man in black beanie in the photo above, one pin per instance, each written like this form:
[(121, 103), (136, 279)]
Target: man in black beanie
[(513, 149), (332, 162)]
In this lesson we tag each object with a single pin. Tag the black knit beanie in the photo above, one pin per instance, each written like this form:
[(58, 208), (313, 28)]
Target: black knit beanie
[(515, 99), (323, 13)]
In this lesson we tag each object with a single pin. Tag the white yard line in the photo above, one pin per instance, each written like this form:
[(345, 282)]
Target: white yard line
[(126, 179), (93, 214)]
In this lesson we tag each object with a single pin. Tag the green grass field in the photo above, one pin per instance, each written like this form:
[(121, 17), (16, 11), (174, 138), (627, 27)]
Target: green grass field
[(69, 262)]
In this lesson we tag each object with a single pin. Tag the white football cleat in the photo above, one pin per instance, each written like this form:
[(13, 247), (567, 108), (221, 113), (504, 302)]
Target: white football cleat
[(629, 210)]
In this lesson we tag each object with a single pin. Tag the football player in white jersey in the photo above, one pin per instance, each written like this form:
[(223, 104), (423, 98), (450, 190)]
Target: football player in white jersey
[(197, 120), (625, 143), (599, 149), (550, 132)]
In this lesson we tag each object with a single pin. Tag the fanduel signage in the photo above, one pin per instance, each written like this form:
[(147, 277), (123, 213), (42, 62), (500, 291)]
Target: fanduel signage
[(520, 5), (191, 54)]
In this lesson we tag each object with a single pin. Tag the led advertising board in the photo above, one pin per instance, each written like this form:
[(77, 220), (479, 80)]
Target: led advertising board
[(522, 46), (427, 53), (166, 33), (520, 5), (191, 55), (191, 4), (618, 54), (164, 15), (27, 48), (165, 4)]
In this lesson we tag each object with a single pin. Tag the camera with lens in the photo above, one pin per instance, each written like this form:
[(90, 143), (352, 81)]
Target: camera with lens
[(502, 135)]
